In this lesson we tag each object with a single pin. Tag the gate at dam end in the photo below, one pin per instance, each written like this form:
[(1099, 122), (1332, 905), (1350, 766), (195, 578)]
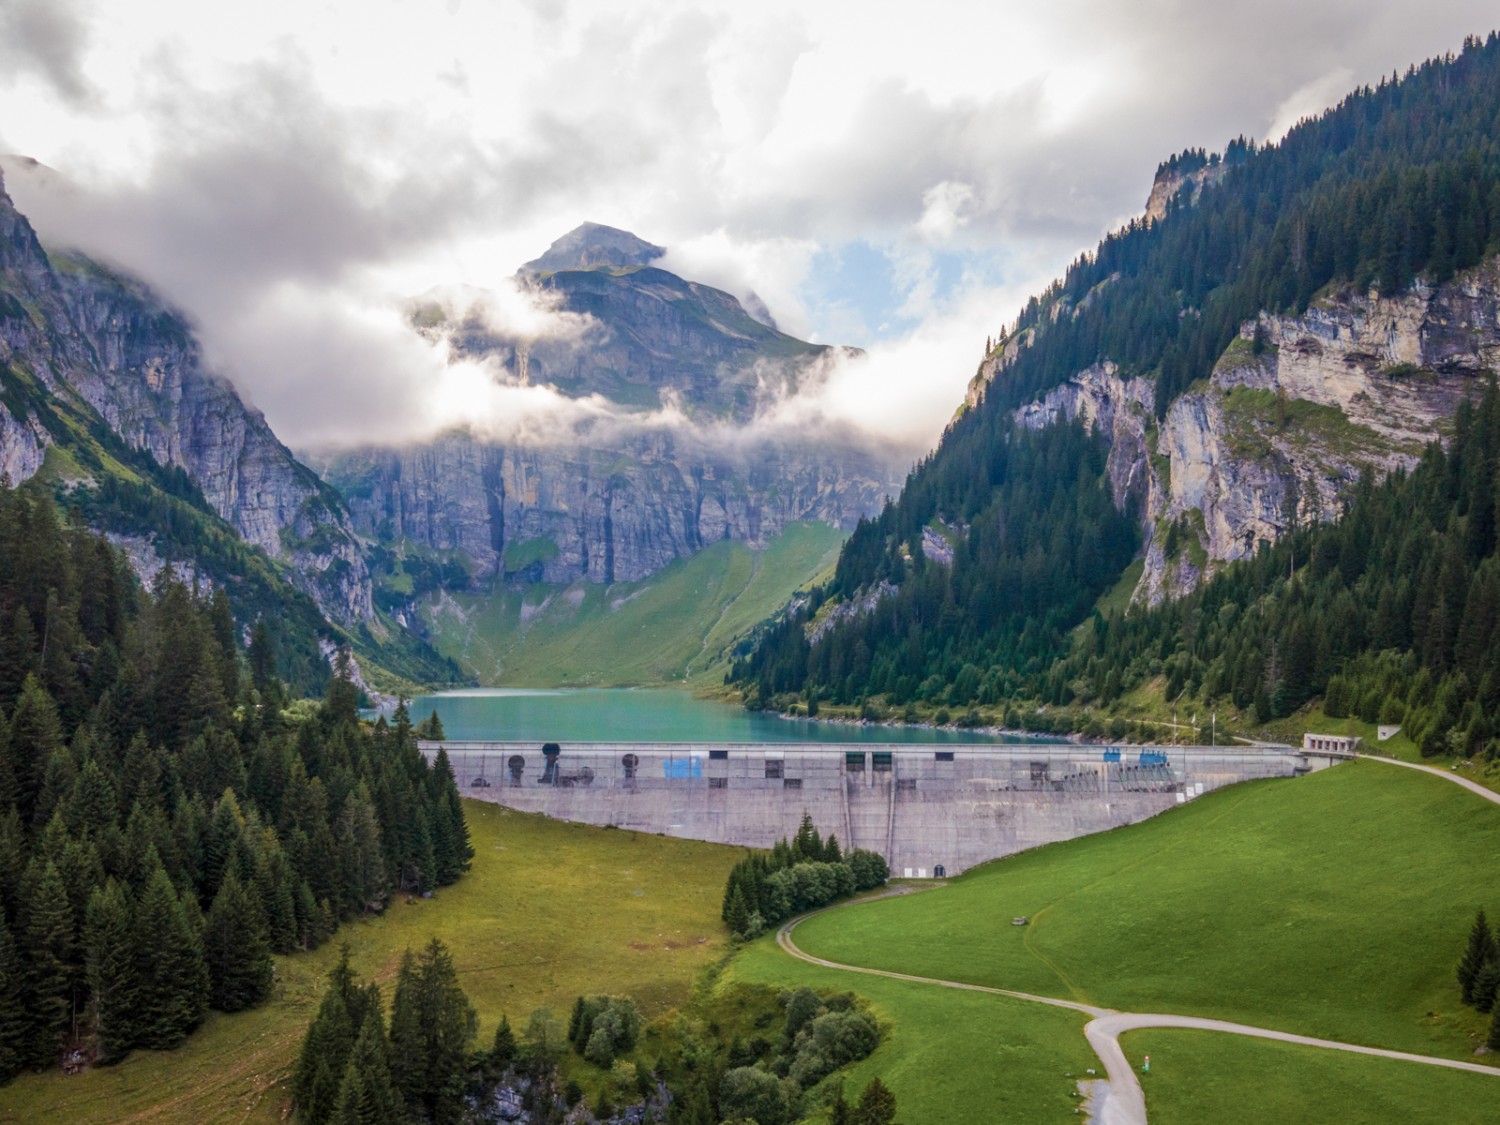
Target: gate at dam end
[(930, 810)]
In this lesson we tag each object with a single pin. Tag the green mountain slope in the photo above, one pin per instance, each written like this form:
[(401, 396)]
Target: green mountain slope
[(679, 624)]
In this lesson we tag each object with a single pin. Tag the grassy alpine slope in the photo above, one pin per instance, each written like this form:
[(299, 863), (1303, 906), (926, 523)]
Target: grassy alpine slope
[(1335, 905), (548, 911), (676, 625), (1200, 1076)]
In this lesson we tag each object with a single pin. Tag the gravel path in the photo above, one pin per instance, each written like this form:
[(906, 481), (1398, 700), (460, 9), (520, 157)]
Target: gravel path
[(1124, 1102)]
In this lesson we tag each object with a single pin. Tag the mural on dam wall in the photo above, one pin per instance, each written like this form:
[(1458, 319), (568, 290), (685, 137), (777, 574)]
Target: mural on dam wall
[(928, 810)]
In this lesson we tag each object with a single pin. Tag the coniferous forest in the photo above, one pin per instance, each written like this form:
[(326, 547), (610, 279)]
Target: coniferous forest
[(166, 824), (1398, 183)]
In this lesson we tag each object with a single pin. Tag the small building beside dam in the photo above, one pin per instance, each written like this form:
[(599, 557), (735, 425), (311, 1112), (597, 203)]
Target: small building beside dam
[(930, 810)]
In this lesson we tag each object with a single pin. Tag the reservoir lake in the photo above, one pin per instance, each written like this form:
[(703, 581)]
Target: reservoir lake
[(639, 715)]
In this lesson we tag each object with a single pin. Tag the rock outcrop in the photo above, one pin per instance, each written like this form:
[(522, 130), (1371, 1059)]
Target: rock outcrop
[(1293, 413), (105, 347)]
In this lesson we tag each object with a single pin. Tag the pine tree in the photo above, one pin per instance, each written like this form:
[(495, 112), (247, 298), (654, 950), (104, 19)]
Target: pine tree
[(12, 1007), (237, 949), (326, 1047), (167, 951), (877, 1105), (839, 1111), (737, 914), (35, 732), (432, 1023), (1480, 951), (504, 1051), (1487, 986), (111, 971), (366, 1094), (1492, 1040), (48, 945)]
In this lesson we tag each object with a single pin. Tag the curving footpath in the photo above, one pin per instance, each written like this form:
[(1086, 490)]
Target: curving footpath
[(1125, 1103)]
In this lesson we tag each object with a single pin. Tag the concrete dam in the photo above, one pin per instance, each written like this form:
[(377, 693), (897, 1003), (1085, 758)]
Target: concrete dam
[(930, 810)]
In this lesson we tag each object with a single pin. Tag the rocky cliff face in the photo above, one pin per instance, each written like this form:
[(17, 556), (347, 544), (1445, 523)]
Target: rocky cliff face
[(1292, 414), (1168, 186), (628, 498), (106, 346), (606, 515)]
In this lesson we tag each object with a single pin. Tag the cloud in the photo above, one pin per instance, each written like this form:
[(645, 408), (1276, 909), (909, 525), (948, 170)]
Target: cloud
[(293, 175), (46, 38)]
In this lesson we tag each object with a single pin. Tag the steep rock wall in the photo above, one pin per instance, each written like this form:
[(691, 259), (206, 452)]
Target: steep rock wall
[(560, 514), (1292, 414), (107, 343)]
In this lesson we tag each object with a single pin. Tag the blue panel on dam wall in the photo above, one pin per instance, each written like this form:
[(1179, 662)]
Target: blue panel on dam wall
[(676, 768)]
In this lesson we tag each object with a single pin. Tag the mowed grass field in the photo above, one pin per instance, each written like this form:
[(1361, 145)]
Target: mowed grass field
[(1201, 1076), (548, 912), (1334, 905), (677, 625)]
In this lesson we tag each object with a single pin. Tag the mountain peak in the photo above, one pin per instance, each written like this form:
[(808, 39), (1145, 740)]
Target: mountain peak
[(591, 246)]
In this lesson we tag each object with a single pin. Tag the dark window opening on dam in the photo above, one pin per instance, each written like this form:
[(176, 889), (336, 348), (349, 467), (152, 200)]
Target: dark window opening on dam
[(718, 755), (943, 755), (630, 763), (550, 753), (939, 871), (718, 783), (881, 761), (516, 766), (774, 767), (854, 761), (791, 783)]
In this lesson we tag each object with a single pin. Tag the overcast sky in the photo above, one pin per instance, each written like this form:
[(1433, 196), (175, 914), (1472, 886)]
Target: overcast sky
[(894, 176)]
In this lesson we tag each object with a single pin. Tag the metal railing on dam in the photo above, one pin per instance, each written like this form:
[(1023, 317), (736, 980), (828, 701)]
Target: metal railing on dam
[(928, 808)]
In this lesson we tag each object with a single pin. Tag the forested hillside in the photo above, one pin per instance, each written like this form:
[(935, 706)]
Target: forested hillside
[(1389, 613), (165, 822), (1398, 185)]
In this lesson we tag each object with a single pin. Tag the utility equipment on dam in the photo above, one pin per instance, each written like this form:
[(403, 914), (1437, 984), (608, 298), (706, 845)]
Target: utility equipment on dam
[(928, 809)]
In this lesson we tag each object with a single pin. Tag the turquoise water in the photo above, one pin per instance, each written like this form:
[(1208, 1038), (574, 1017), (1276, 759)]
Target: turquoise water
[(603, 715)]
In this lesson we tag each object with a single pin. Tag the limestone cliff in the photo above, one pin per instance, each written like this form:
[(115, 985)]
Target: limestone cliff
[(607, 515), (104, 350), (1294, 411)]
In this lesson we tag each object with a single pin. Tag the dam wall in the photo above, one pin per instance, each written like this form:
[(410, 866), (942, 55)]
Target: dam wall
[(929, 810)]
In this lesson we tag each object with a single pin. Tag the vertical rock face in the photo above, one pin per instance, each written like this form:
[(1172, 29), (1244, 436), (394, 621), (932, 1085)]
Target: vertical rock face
[(617, 515), (106, 343), (1293, 413)]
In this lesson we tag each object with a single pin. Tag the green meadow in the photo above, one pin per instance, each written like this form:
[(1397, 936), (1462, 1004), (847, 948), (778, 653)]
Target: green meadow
[(1200, 1076), (548, 912), (677, 625), (1334, 905)]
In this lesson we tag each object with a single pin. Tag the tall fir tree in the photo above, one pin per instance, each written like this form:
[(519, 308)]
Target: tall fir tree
[(111, 971), (1480, 951), (432, 1024), (13, 1023), (237, 949), (876, 1106), (49, 944), (366, 1094), (167, 951)]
